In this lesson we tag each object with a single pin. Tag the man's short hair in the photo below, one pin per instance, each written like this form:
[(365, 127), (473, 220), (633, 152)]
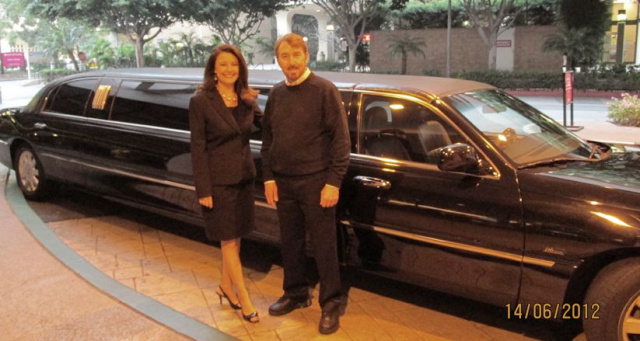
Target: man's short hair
[(293, 39)]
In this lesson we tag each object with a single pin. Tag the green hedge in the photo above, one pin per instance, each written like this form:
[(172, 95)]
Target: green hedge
[(600, 81), (50, 74)]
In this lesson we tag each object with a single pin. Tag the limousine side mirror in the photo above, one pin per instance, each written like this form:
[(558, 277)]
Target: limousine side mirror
[(458, 157)]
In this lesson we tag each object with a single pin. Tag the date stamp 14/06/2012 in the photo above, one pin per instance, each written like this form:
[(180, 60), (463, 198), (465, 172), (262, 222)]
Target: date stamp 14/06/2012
[(548, 311)]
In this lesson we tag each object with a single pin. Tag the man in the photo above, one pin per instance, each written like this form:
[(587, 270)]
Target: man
[(305, 154)]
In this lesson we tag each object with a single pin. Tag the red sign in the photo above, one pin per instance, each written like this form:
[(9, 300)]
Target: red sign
[(503, 43), (568, 87), (13, 59)]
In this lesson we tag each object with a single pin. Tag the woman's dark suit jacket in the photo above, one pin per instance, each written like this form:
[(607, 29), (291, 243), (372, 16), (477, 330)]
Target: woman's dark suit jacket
[(220, 151)]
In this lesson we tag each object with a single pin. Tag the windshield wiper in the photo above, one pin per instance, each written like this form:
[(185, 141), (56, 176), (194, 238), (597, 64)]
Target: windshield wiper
[(549, 162)]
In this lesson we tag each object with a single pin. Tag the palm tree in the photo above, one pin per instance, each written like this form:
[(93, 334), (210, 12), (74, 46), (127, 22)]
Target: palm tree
[(577, 43), (102, 53), (403, 45), (63, 37)]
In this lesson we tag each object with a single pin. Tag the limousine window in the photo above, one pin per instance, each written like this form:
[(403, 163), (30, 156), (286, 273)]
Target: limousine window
[(520, 131), (403, 130), (256, 130), (71, 98), (154, 103)]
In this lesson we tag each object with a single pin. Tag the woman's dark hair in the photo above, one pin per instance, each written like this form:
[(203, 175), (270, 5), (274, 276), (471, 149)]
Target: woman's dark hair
[(242, 84)]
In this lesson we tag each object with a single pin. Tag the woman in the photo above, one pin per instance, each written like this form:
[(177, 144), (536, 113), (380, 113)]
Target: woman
[(221, 114)]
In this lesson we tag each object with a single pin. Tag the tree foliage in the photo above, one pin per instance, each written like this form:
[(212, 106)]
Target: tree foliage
[(490, 18), (403, 45), (582, 26), (593, 14), (235, 21), (63, 38), (576, 43), (139, 20), (349, 15)]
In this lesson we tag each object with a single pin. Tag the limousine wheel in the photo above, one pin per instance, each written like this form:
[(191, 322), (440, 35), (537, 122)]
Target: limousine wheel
[(30, 174), (612, 311)]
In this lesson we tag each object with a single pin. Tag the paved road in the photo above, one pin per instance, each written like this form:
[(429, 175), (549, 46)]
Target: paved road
[(585, 108)]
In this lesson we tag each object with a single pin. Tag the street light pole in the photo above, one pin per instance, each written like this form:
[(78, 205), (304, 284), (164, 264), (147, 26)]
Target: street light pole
[(448, 69)]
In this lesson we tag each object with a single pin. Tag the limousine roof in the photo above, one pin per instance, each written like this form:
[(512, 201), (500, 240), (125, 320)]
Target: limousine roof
[(427, 86)]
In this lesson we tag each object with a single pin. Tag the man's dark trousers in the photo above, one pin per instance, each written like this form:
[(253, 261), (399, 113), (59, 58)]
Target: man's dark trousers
[(299, 210)]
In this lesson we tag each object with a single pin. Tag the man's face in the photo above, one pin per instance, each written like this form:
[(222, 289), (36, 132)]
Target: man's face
[(292, 60)]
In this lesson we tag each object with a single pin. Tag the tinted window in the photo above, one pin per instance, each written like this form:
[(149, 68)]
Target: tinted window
[(154, 103), (351, 107), (256, 130), (101, 100), (403, 130), (71, 98)]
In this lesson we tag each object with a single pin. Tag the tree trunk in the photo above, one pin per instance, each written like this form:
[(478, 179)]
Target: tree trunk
[(73, 60), (404, 64), (352, 57), (492, 57), (139, 45)]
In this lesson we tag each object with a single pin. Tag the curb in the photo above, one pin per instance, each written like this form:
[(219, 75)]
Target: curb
[(175, 320)]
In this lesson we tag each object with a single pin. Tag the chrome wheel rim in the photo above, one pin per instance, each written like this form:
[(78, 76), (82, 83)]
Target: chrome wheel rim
[(631, 320), (28, 169)]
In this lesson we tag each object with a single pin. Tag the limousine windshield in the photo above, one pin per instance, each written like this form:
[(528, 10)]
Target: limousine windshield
[(524, 134)]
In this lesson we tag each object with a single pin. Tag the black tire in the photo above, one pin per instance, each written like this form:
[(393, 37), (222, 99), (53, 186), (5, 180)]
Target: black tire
[(30, 175), (616, 293)]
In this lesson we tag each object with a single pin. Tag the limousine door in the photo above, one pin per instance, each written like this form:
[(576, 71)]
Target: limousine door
[(146, 154), (454, 232), (60, 132)]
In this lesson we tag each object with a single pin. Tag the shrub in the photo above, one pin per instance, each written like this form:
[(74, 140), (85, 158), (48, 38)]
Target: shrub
[(515, 80), (626, 110), (603, 79), (327, 66), (51, 74)]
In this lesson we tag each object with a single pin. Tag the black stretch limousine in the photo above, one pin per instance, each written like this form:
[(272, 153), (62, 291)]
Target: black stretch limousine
[(452, 185)]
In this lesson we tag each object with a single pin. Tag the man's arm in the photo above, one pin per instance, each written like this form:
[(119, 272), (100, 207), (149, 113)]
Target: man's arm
[(340, 150), (338, 129), (270, 187)]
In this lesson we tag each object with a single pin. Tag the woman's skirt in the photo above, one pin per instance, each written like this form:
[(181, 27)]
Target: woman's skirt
[(232, 215)]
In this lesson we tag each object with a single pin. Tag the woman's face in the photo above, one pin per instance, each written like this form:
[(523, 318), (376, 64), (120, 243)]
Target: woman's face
[(227, 68)]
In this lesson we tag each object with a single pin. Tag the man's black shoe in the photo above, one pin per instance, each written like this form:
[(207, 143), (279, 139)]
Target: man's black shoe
[(285, 305), (329, 322)]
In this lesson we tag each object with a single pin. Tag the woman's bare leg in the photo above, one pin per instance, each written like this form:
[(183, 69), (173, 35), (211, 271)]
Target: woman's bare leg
[(233, 266)]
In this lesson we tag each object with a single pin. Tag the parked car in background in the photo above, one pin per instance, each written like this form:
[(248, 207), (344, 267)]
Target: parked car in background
[(452, 185)]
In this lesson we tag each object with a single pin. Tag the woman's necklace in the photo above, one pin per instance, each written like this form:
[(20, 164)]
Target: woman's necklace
[(229, 98)]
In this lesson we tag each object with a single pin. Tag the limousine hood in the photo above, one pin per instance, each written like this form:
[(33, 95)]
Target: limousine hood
[(613, 183), (620, 171), (587, 200)]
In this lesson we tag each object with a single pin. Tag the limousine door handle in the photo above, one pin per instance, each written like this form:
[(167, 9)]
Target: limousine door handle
[(39, 125), (368, 181)]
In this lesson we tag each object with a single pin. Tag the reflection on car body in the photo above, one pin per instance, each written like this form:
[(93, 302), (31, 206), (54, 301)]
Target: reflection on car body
[(452, 184)]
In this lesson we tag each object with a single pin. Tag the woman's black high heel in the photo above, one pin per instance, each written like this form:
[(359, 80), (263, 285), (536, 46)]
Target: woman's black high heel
[(251, 317), (222, 294)]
